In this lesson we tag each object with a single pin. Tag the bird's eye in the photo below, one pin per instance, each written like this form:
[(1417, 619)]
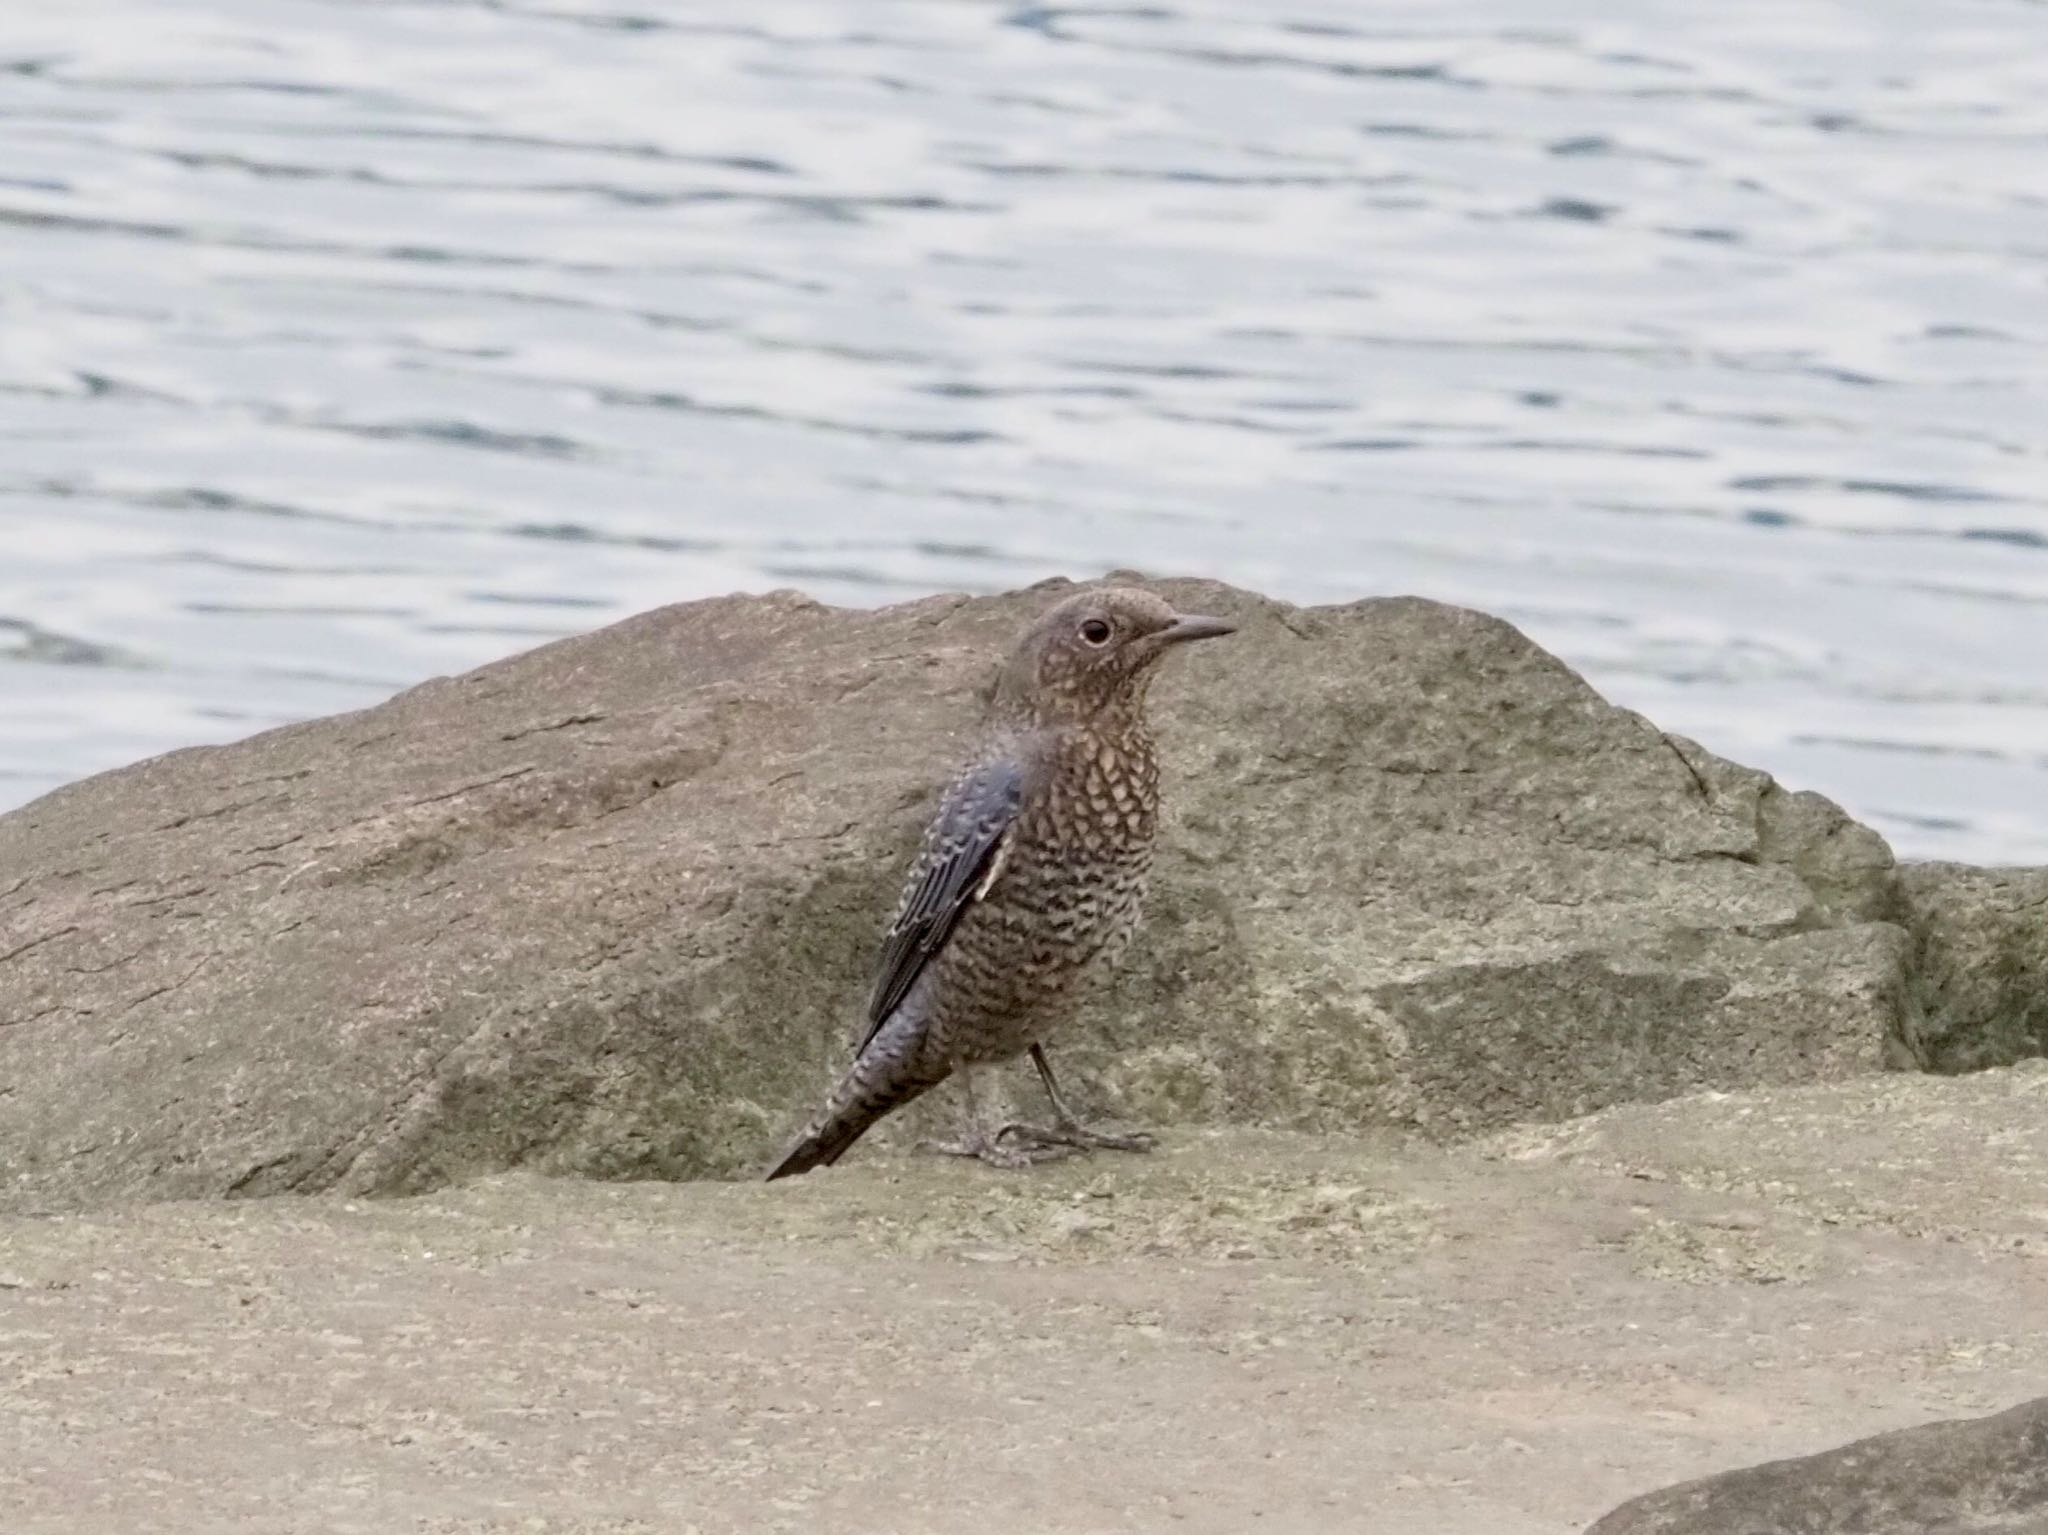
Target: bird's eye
[(1095, 631)]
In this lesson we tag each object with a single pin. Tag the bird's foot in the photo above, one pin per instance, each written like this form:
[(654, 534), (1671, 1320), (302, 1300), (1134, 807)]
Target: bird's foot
[(989, 1149), (1075, 1136)]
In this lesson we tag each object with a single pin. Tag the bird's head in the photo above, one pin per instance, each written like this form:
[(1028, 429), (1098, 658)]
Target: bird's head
[(1094, 653)]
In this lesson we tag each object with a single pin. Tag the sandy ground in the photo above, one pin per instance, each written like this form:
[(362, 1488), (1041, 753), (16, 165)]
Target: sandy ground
[(1241, 1332)]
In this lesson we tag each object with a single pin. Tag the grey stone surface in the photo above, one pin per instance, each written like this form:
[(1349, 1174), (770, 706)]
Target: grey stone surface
[(1981, 1476), (1248, 1330), (1962, 1163), (608, 907)]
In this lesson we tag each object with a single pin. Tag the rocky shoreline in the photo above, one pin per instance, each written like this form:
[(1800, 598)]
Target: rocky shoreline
[(602, 911)]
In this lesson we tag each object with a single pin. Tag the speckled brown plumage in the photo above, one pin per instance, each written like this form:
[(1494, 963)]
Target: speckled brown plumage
[(1031, 876)]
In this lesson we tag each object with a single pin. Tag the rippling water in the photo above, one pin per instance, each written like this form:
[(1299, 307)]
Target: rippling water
[(344, 343)]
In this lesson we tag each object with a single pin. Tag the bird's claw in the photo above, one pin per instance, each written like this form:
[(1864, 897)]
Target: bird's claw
[(988, 1148), (1076, 1137)]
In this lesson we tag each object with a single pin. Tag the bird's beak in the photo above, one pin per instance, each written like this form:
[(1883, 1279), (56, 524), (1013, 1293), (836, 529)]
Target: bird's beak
[(1193, 626)]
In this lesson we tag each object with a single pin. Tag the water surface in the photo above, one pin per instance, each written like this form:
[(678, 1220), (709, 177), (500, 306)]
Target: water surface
[(345, 343)]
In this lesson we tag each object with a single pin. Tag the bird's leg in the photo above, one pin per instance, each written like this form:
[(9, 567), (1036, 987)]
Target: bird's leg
[(975, 1141), (1067, 1129)]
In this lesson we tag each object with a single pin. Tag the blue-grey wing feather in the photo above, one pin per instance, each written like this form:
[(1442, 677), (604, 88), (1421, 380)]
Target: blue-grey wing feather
[(960, 847)]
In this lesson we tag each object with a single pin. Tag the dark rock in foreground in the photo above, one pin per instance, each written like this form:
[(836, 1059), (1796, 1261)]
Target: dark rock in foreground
[(1974, 1476), (609, 906)]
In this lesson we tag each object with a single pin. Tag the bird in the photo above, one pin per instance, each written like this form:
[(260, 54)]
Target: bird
[(1030, 878)]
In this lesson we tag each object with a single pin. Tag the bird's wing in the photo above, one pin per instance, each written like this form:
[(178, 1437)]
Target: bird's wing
[(961, 857)]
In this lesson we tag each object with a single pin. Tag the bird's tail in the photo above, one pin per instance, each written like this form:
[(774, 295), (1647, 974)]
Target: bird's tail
[(878, 1083)]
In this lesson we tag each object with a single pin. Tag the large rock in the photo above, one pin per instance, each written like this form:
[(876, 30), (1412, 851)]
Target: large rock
[(608, 906), (1976, 1476)]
